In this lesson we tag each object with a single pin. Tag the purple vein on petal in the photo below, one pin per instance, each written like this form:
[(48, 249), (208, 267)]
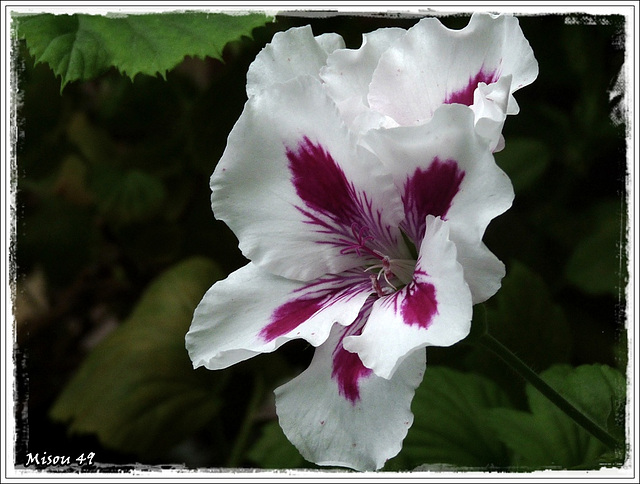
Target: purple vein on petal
[(348, 369), (332, 204), (429, 192), (311, 299), (321, 183), (465, 94), (290, 315)]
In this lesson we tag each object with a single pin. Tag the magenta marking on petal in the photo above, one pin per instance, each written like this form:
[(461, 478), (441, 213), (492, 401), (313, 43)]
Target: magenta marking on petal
[(419, 305), (347, 369), (430, 192), (289, 316), (313, 298), (333, 204), (465, 95), (321, 183)]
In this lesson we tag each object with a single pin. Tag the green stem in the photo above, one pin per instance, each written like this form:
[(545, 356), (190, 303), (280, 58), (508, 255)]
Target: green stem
[(558, 400), (243, 433)]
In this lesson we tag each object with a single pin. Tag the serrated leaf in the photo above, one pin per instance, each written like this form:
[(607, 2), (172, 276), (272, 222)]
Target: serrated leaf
[(548, 438), (81, 47), (137, 389), (449, 425)]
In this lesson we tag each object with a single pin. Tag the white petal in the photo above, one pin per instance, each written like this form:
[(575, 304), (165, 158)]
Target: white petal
[(297, 191), (360, 118), (483, 271), (348, 71), (433, 310), (490, 109), (330, 42), (253, 312), (332, 430), (293, 53), (432, 65), (347, 76), (444, 168)]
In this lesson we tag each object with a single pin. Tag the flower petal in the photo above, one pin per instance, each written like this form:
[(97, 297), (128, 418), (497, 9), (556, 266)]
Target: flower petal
[(483, 271), (290, 54), (445, 169), (253, 312), (432, 65), (432, 310), (330, 41), (490, 110), (348, 72), (303, 199), (338, 413)]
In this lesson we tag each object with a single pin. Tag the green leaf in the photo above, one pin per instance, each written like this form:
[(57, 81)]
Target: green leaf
[(81, 47), (548, 438), (449, 423), (274, 451), (524, 160), (126, 196), (122, 195), (137, 389), (598, 263), (524, 317)]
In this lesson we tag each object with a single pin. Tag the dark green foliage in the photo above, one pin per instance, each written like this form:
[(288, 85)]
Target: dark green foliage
[(546, 438), (82, 47), (450, 423), (134, 387)]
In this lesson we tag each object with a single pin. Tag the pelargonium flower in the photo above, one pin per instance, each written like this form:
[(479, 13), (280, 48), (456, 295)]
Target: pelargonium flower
[(365, 242)]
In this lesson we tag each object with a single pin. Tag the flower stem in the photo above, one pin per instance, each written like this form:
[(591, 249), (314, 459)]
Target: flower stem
[(558, 400)]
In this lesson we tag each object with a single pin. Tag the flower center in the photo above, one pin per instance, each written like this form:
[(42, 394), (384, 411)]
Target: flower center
[(393, 274)]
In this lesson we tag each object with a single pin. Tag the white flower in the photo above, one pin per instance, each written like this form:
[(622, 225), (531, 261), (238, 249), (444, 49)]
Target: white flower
[(367, 243)]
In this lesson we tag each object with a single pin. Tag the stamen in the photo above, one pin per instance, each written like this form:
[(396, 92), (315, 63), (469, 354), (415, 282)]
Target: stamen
[(370, 268), (386, 278), (380, 291)]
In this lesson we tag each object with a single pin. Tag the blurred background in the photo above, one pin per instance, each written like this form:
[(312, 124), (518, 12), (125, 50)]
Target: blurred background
[(114, 230)]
